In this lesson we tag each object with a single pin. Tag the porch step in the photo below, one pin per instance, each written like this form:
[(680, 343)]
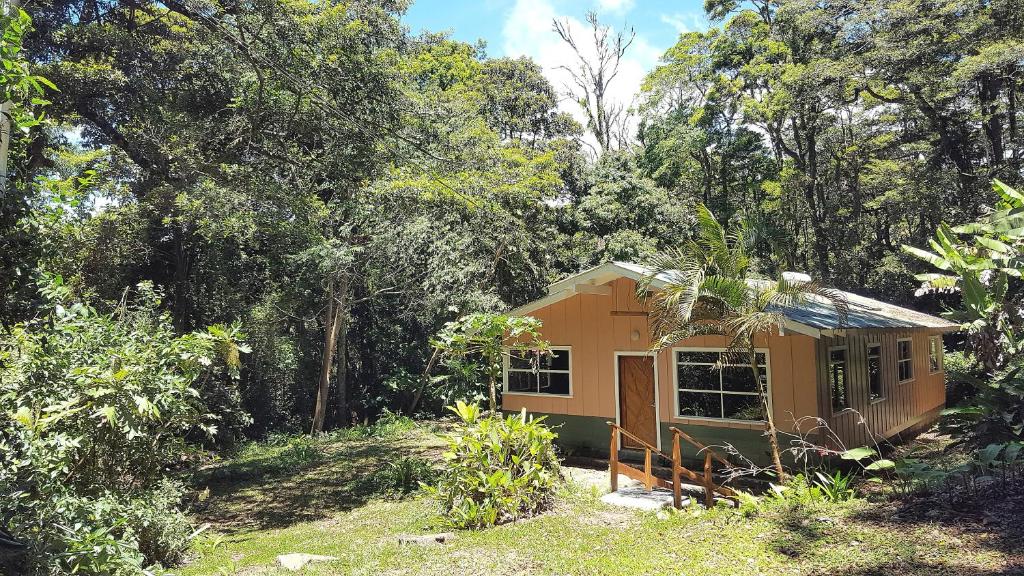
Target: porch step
[(638, 498)]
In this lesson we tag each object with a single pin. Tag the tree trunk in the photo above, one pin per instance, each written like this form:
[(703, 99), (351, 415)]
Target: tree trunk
[(332, 322), (769, 418), (341, 326), (494, 394), (424, 380)]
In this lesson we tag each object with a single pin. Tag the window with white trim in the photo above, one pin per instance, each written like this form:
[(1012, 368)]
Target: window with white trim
[(905, 359), (875, 371), (935, 354), (710, 384), (838, 383), (533, 372)]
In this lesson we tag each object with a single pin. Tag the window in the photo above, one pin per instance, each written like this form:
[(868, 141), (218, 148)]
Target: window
[(875, 371), (837, 378), (531, 372), (905, 359), (935, 354), (710, 385)]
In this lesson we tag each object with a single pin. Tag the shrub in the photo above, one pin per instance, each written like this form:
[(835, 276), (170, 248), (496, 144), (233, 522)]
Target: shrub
[(496, 469), (405, 476), (97, 409), (803, 490)]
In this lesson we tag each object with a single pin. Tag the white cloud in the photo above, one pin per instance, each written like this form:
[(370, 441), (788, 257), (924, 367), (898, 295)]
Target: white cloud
[(528, 31), (686, 22), (615, 5)]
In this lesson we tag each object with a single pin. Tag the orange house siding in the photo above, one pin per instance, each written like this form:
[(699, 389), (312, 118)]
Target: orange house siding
[(597, 326), (902, 406), (586, 323)]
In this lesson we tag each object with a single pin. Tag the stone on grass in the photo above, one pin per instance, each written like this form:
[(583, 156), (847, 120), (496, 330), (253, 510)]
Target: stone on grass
[(639, 498), (426, 539), (296, 562)]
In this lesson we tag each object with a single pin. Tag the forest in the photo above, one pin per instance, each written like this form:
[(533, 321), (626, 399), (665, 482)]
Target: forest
[(223, 221)]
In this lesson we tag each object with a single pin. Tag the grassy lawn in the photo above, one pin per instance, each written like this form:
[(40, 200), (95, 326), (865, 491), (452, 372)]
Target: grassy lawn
[(320, 498)]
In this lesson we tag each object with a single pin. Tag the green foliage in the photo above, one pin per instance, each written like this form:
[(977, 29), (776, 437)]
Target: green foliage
[(98, 408), (981, 261), (828, 487), (835, 487), (478, 341), (404, 476), (496, 469)]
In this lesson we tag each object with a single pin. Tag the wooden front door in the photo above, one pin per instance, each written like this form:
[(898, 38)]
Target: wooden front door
[(636, 400)]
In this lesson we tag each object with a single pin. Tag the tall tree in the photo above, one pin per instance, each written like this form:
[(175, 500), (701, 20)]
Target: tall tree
[(597, 65)]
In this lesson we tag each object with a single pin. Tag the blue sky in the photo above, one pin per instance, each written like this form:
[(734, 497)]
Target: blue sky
[(524, 28), (658, 22)]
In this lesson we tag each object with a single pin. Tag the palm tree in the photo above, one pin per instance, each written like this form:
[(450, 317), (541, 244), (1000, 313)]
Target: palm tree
[(706, 286)]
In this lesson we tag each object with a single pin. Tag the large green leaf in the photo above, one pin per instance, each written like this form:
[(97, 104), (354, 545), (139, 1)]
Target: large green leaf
[(933, 259), (858, 453), (882, 464)]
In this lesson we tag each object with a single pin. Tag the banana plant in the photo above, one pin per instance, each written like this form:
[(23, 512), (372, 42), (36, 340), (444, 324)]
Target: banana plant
[(981, 260), (984, 262)]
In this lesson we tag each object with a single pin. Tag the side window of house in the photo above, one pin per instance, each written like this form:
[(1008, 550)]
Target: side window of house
[(935, 354), (531, 372), (837, 379), (874, 356), (905, 359), (713, 385)]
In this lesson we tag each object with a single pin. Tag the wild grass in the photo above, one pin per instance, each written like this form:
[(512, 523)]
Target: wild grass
[(341, 514)]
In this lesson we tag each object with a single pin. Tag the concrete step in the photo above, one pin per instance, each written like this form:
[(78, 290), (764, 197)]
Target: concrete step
[(638, 498)]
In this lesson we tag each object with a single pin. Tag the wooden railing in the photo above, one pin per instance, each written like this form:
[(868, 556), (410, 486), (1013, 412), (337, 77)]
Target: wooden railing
[(615, 467)]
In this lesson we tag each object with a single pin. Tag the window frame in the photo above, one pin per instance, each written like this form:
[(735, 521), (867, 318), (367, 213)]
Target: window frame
[(506, 361), (881, 369), (674, 363), (939, 354), (909, 359), (846, 378)]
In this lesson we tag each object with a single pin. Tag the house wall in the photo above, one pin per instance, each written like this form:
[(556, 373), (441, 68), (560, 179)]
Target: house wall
[(903, 406), (597, 326)]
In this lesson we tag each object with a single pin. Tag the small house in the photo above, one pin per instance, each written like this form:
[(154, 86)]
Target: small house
[(874, 374)]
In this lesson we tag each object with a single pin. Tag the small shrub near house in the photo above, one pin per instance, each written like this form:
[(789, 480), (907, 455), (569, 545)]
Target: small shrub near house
[(496, 469)]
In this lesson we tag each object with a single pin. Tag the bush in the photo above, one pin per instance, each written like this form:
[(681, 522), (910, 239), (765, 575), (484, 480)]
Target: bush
[(801, 490), (496, 469), (405, 476), (963, 373), (97, 409)]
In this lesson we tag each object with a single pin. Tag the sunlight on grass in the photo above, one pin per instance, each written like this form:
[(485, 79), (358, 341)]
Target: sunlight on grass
[(345, 518)]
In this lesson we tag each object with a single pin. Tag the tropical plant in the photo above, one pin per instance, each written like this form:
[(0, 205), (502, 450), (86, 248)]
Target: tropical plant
[(706, 286), (484, 338), (404, 476), (836, 487), (97, 408), (982, 261), (496, 469)]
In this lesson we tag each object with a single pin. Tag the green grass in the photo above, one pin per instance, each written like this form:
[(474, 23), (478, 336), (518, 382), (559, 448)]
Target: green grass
[(327, 505)]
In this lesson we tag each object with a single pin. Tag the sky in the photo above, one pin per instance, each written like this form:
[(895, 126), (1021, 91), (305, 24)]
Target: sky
[(524, 28)]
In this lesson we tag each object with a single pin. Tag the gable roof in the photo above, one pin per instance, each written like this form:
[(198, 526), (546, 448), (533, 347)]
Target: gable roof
[(813, 317)]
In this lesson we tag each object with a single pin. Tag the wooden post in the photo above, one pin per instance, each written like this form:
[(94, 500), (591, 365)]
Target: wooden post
[(648, 479), (709, 485), (613, 462), (677, 490)]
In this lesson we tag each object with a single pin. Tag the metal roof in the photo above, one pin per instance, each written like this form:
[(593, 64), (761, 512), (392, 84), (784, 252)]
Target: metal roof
[(811, 317)]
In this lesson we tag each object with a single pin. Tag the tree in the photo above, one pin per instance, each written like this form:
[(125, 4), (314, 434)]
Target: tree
[(592, 76), (707, 288), (488, 336), (620, 215)]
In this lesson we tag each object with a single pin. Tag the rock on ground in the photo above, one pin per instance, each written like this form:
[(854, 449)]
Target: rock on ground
[(295, 562)]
